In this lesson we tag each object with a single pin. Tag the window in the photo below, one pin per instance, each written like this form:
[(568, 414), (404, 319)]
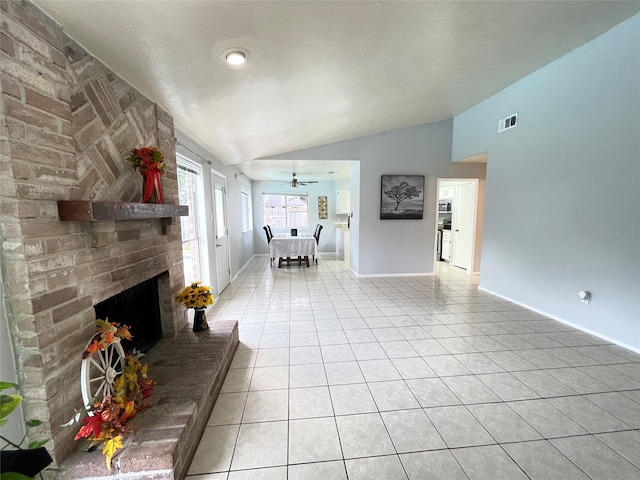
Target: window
[(190, 192), (247, 224), (285, 211)]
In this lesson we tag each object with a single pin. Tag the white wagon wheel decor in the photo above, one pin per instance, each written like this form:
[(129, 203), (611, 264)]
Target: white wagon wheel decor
[(99, 372), (114, 388), (102, 361)]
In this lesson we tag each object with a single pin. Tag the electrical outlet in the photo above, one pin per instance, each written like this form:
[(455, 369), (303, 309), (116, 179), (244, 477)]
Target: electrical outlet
[(584, 296)]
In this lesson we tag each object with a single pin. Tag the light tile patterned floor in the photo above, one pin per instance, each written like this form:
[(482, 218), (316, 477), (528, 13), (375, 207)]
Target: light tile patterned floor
[(415, 378)]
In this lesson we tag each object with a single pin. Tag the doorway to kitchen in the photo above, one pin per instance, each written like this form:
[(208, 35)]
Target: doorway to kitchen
[(458, 229)]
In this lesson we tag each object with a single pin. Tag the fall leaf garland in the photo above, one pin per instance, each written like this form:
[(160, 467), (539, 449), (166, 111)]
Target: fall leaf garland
[(108, 417), (108, 333)]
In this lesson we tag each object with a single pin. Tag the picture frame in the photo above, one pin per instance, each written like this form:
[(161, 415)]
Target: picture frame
[(402, 197), (323, 212)]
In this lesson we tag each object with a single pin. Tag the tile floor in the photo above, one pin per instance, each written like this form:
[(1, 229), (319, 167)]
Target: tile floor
[(414, 378)]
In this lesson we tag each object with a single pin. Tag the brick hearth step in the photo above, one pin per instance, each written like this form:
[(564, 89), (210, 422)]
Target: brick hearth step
[(190, 370)]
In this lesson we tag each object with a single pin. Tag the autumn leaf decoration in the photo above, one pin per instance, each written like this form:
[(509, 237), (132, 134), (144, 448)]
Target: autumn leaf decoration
[(149, 161), (108, 417), (146, 159), (108, 333), (110, 447)]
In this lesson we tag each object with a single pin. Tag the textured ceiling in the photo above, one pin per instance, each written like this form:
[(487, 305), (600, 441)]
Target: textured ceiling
[(320, 72)]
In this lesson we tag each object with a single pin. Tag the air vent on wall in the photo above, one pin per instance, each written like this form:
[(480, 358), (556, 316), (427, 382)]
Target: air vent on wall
[(507, 123)]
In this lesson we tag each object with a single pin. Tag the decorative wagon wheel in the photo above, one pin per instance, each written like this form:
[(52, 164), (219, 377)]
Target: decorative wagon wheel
[(99, 372)]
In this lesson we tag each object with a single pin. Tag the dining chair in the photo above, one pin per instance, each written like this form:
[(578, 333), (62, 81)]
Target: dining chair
[(268, 234), (267, 231), (316, 235)]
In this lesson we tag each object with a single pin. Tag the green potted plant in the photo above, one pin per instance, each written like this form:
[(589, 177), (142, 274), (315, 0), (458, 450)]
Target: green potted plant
[(18, 462)]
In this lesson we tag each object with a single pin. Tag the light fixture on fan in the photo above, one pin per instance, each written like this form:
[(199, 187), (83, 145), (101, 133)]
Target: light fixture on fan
[(295, 183)]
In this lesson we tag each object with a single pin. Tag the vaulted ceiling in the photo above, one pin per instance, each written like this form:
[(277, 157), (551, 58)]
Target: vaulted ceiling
[(323, 71)]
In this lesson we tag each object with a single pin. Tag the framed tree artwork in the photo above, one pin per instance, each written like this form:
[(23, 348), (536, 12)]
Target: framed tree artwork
[(402, 197)]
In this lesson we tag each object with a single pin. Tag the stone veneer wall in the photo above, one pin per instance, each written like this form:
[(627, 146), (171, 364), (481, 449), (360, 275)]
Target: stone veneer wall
[(68, 123)]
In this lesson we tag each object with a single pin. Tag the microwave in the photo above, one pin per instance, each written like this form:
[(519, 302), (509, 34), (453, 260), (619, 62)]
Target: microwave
[(444, 206)]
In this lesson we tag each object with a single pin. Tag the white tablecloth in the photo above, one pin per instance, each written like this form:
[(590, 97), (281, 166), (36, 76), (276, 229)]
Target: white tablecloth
[(293, 247)]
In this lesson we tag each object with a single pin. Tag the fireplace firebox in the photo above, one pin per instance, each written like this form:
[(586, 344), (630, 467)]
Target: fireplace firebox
[(138, 307)]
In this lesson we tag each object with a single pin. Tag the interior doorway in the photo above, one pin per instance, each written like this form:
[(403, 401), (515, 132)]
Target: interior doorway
[(458, 227)]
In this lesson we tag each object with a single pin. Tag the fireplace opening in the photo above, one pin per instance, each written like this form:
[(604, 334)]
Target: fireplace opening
[(138, 307)]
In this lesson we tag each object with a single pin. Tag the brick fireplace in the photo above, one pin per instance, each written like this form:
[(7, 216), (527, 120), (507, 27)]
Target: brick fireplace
[(68, 123)]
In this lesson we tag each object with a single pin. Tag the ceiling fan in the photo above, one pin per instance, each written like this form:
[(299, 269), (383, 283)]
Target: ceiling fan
[(295, 182)]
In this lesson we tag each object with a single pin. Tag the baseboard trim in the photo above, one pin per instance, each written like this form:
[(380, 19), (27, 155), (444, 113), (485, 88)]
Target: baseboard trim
[(562, 320), (381, 275)]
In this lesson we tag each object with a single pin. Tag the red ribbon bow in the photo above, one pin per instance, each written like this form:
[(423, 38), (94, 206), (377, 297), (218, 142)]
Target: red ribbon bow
[(151, 181)]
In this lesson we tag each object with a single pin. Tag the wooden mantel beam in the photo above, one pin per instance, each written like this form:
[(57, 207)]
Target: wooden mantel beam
[(87, 211)]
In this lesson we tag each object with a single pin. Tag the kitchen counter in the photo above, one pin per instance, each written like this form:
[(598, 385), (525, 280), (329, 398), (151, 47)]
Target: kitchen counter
[(342, 243)]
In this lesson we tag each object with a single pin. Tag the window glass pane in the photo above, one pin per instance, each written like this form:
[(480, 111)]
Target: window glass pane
[(297, 211), (187, 195), (275, 211), (221, 230), (185, 189), (246, 210), (285, 211), (189, 186), (191, 261)]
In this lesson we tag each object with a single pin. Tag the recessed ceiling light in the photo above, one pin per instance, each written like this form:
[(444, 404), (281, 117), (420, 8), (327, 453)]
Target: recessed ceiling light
[(236, 57), (229, 55)]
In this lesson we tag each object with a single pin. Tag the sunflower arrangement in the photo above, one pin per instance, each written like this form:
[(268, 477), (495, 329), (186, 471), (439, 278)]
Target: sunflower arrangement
[(195, 295)]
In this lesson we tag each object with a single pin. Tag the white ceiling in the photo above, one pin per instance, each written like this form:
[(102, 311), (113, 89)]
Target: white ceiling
[(321, 72)]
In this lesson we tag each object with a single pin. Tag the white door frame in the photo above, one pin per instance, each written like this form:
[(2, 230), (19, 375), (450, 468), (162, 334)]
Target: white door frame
[(474, 228), (226, 199)]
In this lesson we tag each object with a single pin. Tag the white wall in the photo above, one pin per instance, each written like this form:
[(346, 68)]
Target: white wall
[(354, 234), (387, 247), (402, 246), (240, 243), (562, 210), (314, 190)]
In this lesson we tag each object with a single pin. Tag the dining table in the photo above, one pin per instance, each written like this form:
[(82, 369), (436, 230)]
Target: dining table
[(290, 248)]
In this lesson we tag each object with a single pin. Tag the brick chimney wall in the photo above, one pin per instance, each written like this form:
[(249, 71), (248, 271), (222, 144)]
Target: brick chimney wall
[(67, 125)]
